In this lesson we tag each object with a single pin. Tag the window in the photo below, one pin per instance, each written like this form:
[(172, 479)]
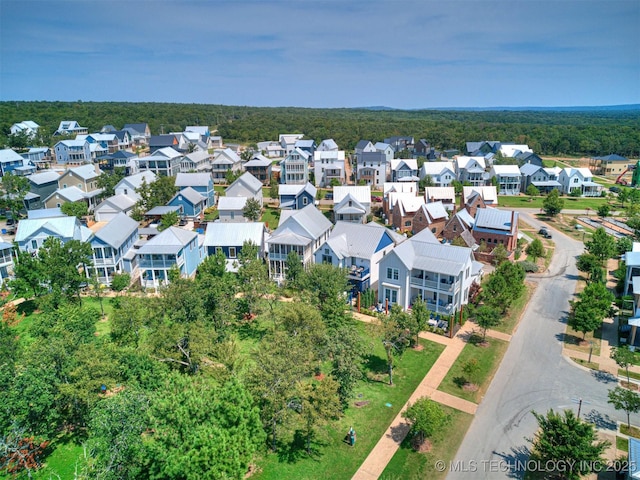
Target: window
[(232, 252), (392, 273), (305, 200), (34, 244), (327, 259), (391, 295), (218, 250)]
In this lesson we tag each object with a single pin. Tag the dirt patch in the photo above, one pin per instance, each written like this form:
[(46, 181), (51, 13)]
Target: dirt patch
[(418, 347), (320, 376), (361, 404), (630, 386), (421, 447), (470, 387)]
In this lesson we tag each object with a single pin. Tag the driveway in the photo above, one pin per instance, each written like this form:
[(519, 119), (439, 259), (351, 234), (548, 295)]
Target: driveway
[(533, 376)]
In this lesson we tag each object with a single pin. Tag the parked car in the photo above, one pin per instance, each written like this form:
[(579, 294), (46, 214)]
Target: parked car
[(376, 199), (544, 232), (328, 196), (614, 189)]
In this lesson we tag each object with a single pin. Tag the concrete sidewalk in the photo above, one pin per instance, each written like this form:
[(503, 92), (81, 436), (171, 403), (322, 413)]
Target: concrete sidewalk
[(385, 449)]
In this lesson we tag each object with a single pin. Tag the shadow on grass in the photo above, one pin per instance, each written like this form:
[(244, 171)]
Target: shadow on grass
[(459, 382), (515, 461), (568, 338), (376, 364), (297, 449), (399, 432), (252, 330), (27, 308)]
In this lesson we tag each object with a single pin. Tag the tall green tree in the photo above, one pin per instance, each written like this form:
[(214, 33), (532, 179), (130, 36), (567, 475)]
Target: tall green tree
[(394, 336), (623, 358), (109, 180), (320, 404), (252, 210), (15, 189), (169, 219), (295, 269), (602, 245), (427, 418), (486, 317), (63, 265), (346, 350), (75, 209), (553, 204), (420, 318), (535, 249), (253, 276), (625, 400), (326, 287), (567, 444), (29, 277)]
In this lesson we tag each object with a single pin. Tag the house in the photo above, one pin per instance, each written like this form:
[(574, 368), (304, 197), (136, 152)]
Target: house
[(168, 140), (128, 185), (201, 183), (223, 161), (172, 248), (41, 185), (405, 208), (28, 128), (421, 267), (372, 167), (231, 209), (124, 139), (288, 141), (482, 148), (10, 161), (33, 231), (84, 177), (191, 203), (41, 157), (327, 145), (260, 167), (246, 186), (529, 157), (544, 179), (386, 149), (489, 195), (74, 152), (140, 133), (358, 249), (580, 179), (96, 151), (328, 167), (471, 170), (441, 173), (294, 168), (296, 197), (111, 207), (363, 146), (72, 194), (422, 148), (404, 170), (120, 159), (6, 261), (229, 238), (70, 127), (107, 141), (432, 216), (164, 162), (508, 179), (493, 227), (203, 132), (308, 146), (400, 143), (271, 149), (390, 192), (512, 150), (608, 165), (197, 161), (459, 226), (301, 231), (111, 243), (445, 195), (352, 203)]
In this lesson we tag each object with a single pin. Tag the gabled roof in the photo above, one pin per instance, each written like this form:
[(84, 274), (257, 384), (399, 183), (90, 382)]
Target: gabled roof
[(197, 129), (409, 204), (231, 203), (357, 240), (582, 172), (612, 158), (232, 234), (436, 168), (166, 139), (349, 205), (70, 194), (138, 128), (45, 213), (507, 170), (117, 230), (62, 227), (163, 210), (433, 194), (464, 162), (249, 181), (119, 202), (258, 160), (381, 146), (305, 143), (86, 172), (134, 181), (404, 187), (410, 163), (303, 153), (362, 144), (166, 152), (494, 219), (44, 177), (169, 241), (328, 144), (465, 217), (488, 194), (288, 189), (8, 155), (434, 210), (529, 169), (119, 155), (308, 223), (361, 193), (225, 157), (189, 194), (193, 179)]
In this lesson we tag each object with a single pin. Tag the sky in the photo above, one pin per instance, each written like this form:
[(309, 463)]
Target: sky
[(404, 54)]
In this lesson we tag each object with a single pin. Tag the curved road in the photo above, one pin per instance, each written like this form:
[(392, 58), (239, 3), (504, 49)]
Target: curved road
[(533, 375)]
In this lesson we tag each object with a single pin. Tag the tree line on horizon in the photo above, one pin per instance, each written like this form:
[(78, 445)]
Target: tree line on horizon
[(588, 133)]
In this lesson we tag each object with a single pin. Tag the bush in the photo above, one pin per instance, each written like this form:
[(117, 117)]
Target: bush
[(529, 267)]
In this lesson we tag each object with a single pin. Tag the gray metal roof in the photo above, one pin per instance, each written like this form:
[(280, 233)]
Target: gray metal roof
[(45, 213), (231, 203), (121, 202), (249, 181), (163, 210), (421, 252), (494, 219), (170, 240), (357, 240), (307, 223), (190, 194), (116, 232), (258, 161), (193, 179), (230, 234)]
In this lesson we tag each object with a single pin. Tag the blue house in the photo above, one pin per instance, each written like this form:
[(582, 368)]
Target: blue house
[(190, 201), (110, 246), (201, 183), (33, 231), (173, 247), (10, 160), (296, 197), (229, 238)]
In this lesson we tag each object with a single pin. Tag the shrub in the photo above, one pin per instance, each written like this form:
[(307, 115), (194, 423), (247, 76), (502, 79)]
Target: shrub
[(529, 267)]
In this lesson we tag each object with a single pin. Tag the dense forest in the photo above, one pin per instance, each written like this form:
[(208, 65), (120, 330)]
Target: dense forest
[(587, 133)]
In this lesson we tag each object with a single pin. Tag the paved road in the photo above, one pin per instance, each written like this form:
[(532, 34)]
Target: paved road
[(533, 376)]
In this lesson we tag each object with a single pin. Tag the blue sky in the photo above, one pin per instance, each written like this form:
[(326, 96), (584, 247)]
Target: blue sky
[(331, 53)]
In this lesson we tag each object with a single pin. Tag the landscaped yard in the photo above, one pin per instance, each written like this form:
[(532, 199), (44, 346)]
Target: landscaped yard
[(573, 341), (570, 203), (271, 216), (488, 357), (410, 464), (332, 457), (511, 319)]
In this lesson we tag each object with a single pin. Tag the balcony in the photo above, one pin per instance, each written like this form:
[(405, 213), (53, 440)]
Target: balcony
[(162, 263), (358, 273), (418, 281)]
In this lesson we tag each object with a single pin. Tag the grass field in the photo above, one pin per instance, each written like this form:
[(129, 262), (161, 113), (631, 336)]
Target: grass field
[(332, 458), (511, 319), (411, 465), (570, 203)]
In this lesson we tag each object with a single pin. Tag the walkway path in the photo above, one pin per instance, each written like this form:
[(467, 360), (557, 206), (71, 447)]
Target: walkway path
[(385, 449)]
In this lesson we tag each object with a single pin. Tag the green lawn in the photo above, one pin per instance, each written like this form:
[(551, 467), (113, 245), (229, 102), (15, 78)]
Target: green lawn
[(622, 444), (332, 457), (271, 217), (62, 461), (623, 372), (409, 464), (511, 319), (585, 363), (573, 341), (488, 357), (570, 203)]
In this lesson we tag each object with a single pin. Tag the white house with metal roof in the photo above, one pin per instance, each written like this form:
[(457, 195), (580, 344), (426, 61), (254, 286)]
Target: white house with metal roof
[(294, 168), (352, 203), (441, 173), (446, 195), (73, 152), (231, 209), (229, 238), (172, 248), (358, 249), (471, 169), (70, 127), (488, 193), (28, 128), (508, 178), (6, 260), (328, 145), (197, 161), (301, 231), (164, 161), (128, 185), (422, 267), (33, 231), (404, 170), (111, 207), (580, 179), (224, 160), (111, 242), (10, 161), (328, 165), (246, 186)]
